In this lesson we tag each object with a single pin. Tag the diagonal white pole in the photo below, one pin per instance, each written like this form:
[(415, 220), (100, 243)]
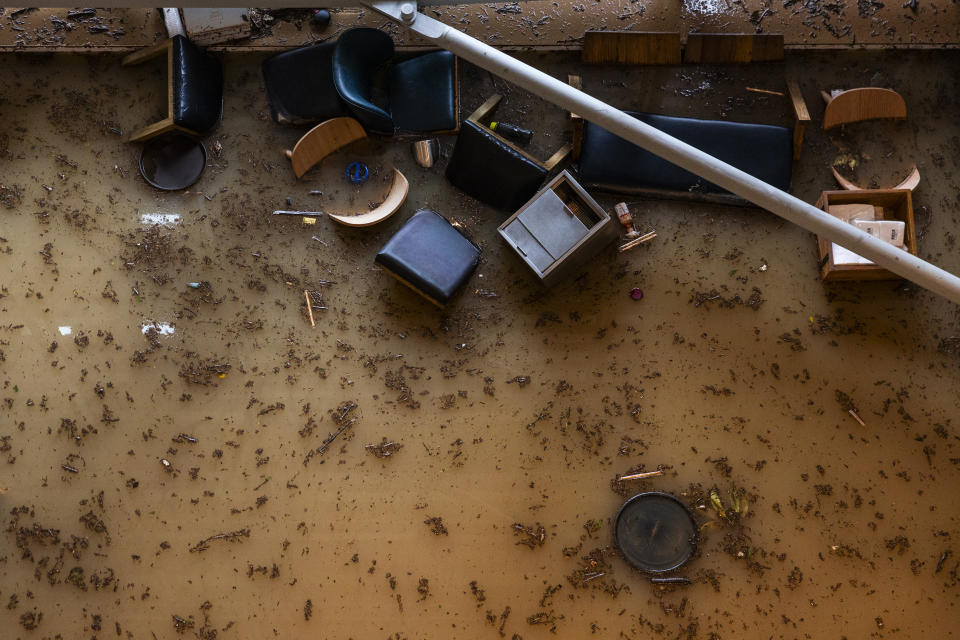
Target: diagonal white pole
[(720, 173)]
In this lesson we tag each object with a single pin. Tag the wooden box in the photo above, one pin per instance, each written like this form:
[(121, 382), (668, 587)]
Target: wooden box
[(558, 230), (896, 204)]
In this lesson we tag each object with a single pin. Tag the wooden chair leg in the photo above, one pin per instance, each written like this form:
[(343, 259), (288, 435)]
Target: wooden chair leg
[(142, 55), (558, 157), (152, 130), (488, 106)]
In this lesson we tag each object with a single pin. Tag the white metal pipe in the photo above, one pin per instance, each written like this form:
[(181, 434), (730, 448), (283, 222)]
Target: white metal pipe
[(680, 153)]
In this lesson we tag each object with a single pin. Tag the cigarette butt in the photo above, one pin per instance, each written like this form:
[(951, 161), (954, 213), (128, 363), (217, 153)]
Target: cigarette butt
[(857, 418)]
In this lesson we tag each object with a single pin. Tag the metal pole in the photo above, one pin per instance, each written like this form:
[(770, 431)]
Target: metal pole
[(629, 128)]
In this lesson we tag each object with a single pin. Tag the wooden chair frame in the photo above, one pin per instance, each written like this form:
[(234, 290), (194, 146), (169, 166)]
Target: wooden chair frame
[(165, 125), (488, 107)]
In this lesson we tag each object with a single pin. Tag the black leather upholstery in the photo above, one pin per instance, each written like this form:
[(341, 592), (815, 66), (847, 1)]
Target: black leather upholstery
[(300, 85), (610, 162), (359, 54), (423, 93), (430, 255), (197, 87), (491, 171), (418, 95)]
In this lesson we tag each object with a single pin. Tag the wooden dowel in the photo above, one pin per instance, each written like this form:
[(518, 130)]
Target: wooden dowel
[(766, 91), (626, 246), (641, 476), (306, 294)]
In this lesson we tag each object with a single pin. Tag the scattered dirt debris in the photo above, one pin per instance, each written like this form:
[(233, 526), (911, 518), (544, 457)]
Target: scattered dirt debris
[(384, 449), (436, 525), (532, 537)]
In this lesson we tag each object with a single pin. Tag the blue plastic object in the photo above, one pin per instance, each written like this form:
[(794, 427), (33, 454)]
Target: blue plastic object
[(357, 172)]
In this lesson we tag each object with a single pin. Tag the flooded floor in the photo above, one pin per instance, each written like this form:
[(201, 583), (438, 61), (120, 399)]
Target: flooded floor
[(199, 461)]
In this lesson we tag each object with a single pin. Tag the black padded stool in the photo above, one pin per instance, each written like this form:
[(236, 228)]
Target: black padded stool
[(430, 256)]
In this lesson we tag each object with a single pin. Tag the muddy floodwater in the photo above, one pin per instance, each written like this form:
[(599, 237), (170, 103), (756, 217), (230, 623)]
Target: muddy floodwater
[(184, 455)]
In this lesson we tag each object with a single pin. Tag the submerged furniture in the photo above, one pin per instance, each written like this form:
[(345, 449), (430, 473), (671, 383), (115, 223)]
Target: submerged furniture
[(172, 161), (492, 169), (430, 256), (910, 182), (610, 163), (321, 141), (398, 194), (194, 88), (838, 263), (865, 103), (300, 87), (559, 230), (357, 76), (418, 95)]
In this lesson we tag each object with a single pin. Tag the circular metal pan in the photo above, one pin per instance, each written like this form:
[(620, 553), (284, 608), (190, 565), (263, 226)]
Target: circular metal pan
[(172, 162), (655, 532)]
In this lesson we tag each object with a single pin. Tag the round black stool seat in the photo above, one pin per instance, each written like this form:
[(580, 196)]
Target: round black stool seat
[(172, 162), (655, 532)]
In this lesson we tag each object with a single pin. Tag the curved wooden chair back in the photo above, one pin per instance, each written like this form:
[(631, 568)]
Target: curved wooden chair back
[(910, 182), (321, 141), (866, 103), (396, 197)]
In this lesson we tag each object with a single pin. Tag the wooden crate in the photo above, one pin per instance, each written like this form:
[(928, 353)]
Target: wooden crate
[(561, 214), (897, 205)]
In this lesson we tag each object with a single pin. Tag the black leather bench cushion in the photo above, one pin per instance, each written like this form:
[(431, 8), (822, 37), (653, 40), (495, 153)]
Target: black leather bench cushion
[(197, 87), (300, 87), (610, 162), (491, 171), (430, 255), (423, 93)]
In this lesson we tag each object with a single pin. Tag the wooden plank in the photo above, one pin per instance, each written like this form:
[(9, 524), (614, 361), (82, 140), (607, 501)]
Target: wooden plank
[(721, 48), (800, 113), (630, 47)]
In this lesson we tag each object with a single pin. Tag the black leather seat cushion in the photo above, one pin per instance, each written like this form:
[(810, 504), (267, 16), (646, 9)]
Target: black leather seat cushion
[(300, 85), (197, 87), (423, 93), (610, 162), (491, 171), (430, 255)]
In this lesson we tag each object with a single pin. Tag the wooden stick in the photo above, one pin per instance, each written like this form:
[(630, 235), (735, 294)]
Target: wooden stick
[(857, 418), (626, 246), (641, 476), (306, 294), (767, 91)]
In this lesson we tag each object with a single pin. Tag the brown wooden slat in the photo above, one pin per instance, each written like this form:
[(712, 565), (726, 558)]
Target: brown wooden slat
[(630, 47), (720, 48)]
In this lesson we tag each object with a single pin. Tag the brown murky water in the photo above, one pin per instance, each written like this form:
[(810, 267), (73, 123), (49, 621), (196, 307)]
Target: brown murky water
[(514, 406)]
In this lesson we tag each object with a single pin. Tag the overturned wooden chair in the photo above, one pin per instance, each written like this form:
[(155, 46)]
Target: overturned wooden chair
[(492, 169), (194, 89)]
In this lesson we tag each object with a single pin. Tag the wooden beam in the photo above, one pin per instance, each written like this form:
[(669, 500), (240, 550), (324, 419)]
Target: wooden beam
[(630, 47), (720, 48)]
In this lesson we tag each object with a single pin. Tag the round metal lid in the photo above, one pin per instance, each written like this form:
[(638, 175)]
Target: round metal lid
[(172, 162), (655, 532)]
